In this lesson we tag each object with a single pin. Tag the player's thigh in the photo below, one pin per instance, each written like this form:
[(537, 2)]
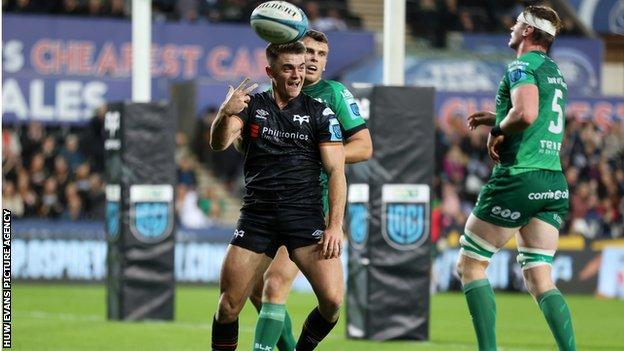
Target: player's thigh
[(493, 234), (538, 234), (282, 270), (537, 244), (241, 269), (325, 276)]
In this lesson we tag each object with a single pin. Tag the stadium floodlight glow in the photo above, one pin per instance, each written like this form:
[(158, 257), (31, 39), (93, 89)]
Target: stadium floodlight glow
[(141, 46)]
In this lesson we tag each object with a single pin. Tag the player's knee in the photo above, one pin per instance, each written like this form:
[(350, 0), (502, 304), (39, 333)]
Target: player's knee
[(536, 270), (331, 304), (273, 288), (469, 269), (229, 308)]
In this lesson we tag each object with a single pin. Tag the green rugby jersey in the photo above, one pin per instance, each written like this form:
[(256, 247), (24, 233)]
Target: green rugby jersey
[(538, 146), (337, 97)]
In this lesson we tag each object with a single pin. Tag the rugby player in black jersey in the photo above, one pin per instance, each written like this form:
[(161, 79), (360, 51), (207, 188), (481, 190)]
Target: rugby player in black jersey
[(287, 138)]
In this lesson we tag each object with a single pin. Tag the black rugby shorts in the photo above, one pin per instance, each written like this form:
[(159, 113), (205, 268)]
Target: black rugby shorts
[(264, 228)]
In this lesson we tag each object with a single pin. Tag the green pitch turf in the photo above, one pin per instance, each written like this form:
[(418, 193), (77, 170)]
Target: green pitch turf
[(72, 317)]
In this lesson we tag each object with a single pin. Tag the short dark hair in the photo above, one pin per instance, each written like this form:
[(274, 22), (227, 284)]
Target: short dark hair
[(539, 36), (274, 50), (316, 35)]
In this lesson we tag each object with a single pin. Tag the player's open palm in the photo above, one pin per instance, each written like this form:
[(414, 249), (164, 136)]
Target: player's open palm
[(481, 118), (237, 99), (331, 243)]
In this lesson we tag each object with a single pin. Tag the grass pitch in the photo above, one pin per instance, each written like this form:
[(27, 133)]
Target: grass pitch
[(72, 317)]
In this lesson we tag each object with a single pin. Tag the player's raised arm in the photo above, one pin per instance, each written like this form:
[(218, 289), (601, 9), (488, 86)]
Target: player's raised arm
[(228, 124), (333, 159)]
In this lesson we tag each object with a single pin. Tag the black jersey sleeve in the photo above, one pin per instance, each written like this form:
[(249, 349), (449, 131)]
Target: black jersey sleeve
[(328, 126)]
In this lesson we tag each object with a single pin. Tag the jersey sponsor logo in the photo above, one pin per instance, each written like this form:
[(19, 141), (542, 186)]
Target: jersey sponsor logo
[(550, 195), (505, 213), (278, 134), (355, 109), (549, 147), (151, 212), (358, 215), (261, 114), (334, 129), (517, 75), (239, 233), (405, 215), (254, 130), (301, 119), (346, 94)]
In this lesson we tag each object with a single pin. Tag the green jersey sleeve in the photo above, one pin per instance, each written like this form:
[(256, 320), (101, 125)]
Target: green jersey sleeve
[(346, 109)]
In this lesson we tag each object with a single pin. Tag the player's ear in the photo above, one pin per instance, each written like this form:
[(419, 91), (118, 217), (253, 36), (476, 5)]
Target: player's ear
[(269, 71)]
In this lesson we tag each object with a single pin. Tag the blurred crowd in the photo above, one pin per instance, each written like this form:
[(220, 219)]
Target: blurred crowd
[(57, 172), (323, 15), (432, 20), (592, 158), (53, 172)]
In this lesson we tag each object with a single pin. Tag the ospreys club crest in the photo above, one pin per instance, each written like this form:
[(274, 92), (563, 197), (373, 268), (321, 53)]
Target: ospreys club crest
[(405, 215), (358, 215), (151, 212)]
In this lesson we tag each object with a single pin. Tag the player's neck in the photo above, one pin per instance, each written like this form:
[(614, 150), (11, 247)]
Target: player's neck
[(527, 46), (279, 100), (309, 84)]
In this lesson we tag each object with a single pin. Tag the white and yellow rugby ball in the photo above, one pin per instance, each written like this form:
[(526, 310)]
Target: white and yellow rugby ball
[(279, 22)]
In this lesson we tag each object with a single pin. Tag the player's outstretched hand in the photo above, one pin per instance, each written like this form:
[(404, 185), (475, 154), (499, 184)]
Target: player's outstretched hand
[(481, 118), (237, 99), (493, 146), (331, 243)]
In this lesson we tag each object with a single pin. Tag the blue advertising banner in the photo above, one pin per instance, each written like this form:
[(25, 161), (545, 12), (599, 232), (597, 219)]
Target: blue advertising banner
[(579, 59), (604, 111), (61, 69), (482, 65), (604, 16)]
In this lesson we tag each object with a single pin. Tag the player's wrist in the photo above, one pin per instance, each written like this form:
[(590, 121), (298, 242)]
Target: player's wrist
[(496, 131)]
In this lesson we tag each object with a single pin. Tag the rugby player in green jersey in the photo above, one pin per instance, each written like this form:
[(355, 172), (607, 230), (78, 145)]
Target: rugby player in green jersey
[(527, 194), (274, 288)]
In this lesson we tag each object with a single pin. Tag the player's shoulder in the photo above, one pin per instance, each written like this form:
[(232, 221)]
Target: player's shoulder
[(261, 96), (530, 60), (319, 109), (340, 89), (313, 103)]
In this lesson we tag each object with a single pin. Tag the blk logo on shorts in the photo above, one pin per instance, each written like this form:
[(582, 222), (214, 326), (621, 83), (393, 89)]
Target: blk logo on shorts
[(317, 234), (239, 233), (505, 213)]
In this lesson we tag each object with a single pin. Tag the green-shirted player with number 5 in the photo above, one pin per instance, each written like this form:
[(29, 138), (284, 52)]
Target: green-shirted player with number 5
[(527, 194), (270, 294)]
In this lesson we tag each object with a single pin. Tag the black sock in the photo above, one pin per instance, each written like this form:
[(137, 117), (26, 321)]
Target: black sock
[(314, 330), (224, 336)]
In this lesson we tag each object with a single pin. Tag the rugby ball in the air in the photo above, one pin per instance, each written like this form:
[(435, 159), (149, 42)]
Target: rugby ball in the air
[(279, 22)]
